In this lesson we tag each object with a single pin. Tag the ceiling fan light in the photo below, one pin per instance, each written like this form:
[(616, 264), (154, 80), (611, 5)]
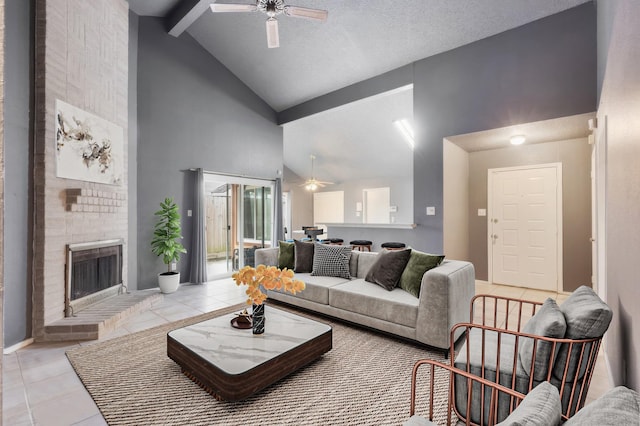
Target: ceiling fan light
[(273, 38)]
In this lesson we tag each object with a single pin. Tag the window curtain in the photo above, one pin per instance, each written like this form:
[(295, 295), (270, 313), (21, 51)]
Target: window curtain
[(277, 209), (198, 267)]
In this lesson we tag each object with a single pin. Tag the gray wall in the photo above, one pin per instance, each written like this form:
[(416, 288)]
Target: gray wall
[(17, 150), (619, 60), (192, 112), (542, 70), (575, 156)]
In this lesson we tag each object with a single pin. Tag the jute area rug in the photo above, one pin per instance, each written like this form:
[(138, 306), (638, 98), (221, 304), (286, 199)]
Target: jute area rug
[(364, 380)]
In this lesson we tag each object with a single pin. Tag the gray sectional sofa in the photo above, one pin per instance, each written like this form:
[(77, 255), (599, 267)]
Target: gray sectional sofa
[(445, 294)]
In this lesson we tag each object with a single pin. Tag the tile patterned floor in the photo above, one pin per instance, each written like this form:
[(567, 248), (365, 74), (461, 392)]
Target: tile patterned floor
[(41, 388)]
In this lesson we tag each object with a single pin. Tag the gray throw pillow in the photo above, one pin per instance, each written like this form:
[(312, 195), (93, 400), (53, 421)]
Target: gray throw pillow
[(419, 263), (286, 255), (619, 406), (547, 322), (587, 316), (388, 268), (331, 261), (303, 256), (541, 407)]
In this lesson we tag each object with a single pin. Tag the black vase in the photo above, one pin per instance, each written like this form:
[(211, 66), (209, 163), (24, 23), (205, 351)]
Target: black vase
[(258, 319)]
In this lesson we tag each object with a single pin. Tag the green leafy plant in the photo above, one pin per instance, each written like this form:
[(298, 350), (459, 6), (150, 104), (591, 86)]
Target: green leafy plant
[(167, 233)]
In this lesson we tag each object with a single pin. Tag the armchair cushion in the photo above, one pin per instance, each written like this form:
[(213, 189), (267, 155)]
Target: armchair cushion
[(619, 406), (387, 269), (547, 322), (587, 316), (540, 407)]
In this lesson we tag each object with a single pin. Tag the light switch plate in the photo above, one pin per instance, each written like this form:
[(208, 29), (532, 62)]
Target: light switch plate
[(431, 211), (482, 212), (189, 213)]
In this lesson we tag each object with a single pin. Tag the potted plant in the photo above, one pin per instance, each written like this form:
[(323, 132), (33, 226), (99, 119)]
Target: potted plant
[(165, 243)]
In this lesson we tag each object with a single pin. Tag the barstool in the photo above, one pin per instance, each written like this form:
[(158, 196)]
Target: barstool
[(333, 241), (393, 246), (360, 245)]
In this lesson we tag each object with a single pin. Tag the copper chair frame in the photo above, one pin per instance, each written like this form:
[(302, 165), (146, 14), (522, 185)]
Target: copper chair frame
[(496, 389), (490, 321)]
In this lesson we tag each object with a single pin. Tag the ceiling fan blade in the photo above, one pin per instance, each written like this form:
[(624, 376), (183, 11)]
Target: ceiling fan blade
[(273, 39), (303, 12), (232, 7)]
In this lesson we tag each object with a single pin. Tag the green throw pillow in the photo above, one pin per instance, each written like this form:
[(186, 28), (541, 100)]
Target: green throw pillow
[(286, 255), (418, 264)]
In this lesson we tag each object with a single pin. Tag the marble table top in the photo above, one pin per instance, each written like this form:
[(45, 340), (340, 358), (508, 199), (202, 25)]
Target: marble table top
[(235, 351)]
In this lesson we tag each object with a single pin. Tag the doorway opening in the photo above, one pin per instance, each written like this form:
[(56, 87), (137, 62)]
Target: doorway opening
[(239, 220)]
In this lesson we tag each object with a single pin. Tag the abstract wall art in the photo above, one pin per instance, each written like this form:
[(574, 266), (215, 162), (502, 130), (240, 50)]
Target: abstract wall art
[(88, 147)]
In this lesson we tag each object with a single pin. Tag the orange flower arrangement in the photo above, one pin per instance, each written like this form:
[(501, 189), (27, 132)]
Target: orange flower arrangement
[(267, 277)]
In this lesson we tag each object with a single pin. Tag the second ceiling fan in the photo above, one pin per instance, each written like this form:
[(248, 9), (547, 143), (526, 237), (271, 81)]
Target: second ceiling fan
[(272, 8)]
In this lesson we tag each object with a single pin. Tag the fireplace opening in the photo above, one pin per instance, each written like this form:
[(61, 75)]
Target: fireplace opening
[(94, 271)]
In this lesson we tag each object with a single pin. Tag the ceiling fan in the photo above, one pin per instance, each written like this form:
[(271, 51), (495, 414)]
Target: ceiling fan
[(272, 8), (312, 183)]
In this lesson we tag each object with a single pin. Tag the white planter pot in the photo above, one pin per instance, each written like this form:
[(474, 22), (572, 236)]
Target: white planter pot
[(168, 283)]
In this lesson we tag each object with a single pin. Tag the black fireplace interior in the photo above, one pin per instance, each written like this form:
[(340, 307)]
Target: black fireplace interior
[(94, 270)]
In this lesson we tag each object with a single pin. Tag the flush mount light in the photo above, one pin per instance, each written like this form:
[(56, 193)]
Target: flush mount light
[(404, 127), (517, 139)]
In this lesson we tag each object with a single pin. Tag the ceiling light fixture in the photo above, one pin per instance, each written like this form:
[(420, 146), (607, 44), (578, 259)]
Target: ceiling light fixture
[(517, 139), (405, 129)]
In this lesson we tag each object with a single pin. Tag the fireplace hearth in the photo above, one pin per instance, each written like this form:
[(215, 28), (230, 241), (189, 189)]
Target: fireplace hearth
[(94, 272)]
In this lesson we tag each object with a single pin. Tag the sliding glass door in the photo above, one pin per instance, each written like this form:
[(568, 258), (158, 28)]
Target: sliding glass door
[(240, 219)]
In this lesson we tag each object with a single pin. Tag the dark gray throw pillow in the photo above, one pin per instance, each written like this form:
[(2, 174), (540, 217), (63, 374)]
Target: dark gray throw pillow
[(388, 268), (331, 261), (303, 256)]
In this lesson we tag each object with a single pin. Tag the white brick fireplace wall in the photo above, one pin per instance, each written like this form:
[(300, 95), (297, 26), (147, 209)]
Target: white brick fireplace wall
[(81, 59)]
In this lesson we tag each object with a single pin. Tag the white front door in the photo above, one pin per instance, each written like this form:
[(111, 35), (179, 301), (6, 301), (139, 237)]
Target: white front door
[(524, 226)]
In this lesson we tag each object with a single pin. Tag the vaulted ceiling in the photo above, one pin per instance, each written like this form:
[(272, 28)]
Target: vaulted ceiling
[(359, 40)]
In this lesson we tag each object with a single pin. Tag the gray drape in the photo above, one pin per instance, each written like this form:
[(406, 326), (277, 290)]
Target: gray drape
[(277, 196), (198, 267)]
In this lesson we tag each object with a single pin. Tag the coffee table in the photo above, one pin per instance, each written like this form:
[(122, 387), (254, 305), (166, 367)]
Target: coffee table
[(233, 364)]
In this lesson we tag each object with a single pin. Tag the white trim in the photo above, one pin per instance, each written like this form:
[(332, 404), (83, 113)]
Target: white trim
[(559, 234), (11, 349)]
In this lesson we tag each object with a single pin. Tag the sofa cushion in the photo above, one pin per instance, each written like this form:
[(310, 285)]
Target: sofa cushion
[(388, 268), (587, 316), (369, 299), (303, 256), (541, 407), (418, 264), (365, 262), (618, 406), (286, 255), (331, 261), (547, 322), (316, 288)]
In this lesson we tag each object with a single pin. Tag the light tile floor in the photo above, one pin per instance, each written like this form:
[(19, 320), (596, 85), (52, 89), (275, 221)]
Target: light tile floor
[(41, 388)]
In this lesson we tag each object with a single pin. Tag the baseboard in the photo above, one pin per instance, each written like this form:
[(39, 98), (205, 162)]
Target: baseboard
[(17, 346)]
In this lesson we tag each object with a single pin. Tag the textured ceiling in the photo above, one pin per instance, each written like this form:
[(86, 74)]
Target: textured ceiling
[(359, 40)]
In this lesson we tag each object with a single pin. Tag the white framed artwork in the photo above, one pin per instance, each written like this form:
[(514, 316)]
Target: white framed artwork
[(88, 147)]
